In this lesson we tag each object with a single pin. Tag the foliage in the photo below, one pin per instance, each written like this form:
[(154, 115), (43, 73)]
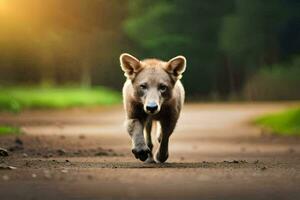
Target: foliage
[(18, 98), (283, 123), (60, 42), (165, 29), (278, 81), (225, 42), (5, 130)]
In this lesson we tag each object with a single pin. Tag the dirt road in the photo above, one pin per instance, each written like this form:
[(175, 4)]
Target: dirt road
[(85, 154)]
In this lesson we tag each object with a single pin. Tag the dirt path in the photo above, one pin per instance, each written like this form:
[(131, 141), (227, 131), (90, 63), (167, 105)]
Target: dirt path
[(85, 154)]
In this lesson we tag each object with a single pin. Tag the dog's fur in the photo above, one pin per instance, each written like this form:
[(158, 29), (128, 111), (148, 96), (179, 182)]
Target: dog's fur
[(152, 93)]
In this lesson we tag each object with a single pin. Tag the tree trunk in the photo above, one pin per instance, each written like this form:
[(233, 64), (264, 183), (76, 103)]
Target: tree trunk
[(86, 79)]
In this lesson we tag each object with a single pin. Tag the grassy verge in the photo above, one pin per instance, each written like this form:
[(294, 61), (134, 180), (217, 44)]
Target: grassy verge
[(283, 123), (6, 130), (17, 98)]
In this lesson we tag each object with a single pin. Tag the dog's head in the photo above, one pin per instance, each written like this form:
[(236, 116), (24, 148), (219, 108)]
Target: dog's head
[(153, 80)]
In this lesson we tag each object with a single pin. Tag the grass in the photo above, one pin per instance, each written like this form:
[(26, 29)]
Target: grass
[(16, 99), (6, 130), (283, 123)]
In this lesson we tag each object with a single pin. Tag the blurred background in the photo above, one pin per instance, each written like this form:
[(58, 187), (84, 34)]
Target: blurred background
[(236, 49), (65, 54)]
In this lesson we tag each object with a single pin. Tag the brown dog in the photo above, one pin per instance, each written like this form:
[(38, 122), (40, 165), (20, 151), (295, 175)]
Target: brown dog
[(152, 93)]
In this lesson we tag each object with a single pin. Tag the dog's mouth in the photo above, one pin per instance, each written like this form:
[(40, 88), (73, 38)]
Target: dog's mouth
[(151, 112)]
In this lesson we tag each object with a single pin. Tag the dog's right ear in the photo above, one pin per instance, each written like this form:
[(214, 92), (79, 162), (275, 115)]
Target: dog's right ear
[(130, 65)]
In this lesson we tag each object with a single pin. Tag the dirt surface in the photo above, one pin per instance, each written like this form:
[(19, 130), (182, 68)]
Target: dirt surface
[(215, 153)]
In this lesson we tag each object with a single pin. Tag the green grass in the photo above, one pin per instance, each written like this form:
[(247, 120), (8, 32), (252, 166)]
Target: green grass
[(6, 130), (283, 123), (16, 99)]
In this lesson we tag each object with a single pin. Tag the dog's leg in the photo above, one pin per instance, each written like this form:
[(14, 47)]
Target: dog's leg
[(167, 127), (158, 132), (139, 148), (148, 130)]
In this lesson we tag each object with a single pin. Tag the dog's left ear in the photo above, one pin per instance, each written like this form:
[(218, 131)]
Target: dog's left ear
[(176, 66)]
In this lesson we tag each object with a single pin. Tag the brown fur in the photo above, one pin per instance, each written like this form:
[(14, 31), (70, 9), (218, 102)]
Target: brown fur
[(152, 93)]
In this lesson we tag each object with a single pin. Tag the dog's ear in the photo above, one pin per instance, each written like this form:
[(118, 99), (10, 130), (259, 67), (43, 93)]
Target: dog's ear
[(176, 66), (130, 65)]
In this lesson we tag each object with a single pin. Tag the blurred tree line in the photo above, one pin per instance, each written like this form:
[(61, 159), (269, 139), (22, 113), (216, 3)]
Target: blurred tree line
[(61, 42), (230, 44)]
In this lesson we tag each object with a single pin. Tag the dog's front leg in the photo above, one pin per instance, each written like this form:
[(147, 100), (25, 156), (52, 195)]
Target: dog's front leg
[(139, 148), (167, 127)]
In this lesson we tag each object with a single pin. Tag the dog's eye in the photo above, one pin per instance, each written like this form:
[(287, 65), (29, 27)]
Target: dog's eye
[(162, 88), (143, 86)]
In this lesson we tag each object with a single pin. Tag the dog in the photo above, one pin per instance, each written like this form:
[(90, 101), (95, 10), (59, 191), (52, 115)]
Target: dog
[(153, 97)]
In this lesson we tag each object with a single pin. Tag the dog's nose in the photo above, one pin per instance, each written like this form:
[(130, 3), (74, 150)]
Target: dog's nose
[(151, 107)]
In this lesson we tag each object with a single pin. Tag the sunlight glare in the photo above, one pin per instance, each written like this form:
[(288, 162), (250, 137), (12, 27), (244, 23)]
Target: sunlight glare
[(3, 6)]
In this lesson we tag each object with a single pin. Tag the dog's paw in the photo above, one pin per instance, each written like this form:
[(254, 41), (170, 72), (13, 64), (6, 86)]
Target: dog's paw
[(141, 153), (149, 160), (161, 158)]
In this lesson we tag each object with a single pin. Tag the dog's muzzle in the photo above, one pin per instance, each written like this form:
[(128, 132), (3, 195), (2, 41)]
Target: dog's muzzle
[(152, 107)]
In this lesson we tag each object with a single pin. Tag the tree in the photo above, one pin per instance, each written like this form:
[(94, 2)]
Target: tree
[(165, 28), (249, 37)]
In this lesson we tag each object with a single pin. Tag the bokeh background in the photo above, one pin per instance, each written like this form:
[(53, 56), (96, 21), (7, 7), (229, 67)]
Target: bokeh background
[(236, 49), (61, 115)]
